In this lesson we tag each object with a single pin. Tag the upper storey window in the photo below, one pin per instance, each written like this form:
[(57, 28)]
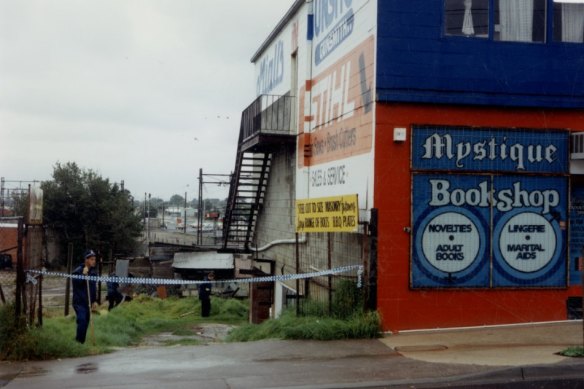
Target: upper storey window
[(569, 20), (516, 20), (467, 18), (520, 20)]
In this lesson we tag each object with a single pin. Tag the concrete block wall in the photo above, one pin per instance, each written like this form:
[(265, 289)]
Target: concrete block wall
[(277, 222)]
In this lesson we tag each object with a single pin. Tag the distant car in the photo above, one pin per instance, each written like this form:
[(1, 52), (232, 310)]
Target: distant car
[(5, 261)]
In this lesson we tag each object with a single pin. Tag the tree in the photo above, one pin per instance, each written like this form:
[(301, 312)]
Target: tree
[(177, 200), (89, 211), (20, 203)]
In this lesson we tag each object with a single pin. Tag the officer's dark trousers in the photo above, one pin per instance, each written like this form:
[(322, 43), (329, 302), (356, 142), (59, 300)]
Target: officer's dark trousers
[(114, 299), (205, 307), (83, 316)]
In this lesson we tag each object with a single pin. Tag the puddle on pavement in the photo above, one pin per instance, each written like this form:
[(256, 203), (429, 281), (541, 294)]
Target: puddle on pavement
[(86, 368)]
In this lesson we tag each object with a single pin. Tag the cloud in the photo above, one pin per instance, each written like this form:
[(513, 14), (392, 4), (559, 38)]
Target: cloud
[(123, 87)]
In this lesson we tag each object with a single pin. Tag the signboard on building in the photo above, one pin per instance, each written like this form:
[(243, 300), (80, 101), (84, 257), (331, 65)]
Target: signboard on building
[(328, 214), (488, 150), (466, 224), (336, 103)]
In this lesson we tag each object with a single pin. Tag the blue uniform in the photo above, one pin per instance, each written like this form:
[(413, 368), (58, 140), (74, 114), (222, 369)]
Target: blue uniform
[(205, 297), (82, 302), (113, 294)]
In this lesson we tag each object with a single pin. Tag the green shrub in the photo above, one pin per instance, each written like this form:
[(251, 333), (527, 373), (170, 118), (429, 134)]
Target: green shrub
[(347, 299), (11, 330), (54, 340)]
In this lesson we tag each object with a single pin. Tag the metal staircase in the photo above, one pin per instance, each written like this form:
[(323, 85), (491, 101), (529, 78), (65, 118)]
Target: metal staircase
[(247, 192), (265, 126)]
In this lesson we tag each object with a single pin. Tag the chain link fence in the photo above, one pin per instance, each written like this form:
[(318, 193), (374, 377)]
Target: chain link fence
[(21, 248)]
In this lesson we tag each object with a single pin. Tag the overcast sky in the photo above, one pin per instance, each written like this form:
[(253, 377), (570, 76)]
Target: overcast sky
[(145, 91)]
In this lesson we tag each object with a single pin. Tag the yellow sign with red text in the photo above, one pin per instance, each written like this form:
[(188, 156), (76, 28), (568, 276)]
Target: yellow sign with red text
[(328, 214)]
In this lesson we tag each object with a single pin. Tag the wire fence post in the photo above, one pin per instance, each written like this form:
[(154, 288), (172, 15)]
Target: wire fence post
[(297, 280), (68, 282), (18, 307), (372, 298), (330, 277)]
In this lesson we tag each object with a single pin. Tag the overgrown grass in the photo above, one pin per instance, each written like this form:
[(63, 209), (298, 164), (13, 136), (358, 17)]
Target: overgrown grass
[(343, 319), (289, 326), (124, 326), (130, 322), (573, 352)]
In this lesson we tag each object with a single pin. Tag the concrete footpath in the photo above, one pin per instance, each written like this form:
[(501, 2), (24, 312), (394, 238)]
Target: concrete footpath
[(520, 356)]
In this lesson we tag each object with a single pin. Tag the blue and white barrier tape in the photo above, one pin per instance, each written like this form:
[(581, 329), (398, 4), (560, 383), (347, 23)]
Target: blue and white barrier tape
[(166, 281)]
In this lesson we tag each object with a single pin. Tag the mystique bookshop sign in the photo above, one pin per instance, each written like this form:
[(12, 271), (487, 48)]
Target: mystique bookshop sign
[(328, 214), (499, 226)]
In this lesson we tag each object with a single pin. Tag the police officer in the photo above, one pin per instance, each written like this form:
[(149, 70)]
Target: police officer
[(84, 294), (205, 295), (114, 296)]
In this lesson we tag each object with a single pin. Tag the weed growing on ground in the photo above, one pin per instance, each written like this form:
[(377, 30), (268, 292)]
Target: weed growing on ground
[(573, 352)]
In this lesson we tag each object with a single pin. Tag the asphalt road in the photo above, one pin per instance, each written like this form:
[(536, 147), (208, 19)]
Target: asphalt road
[(278, 364)]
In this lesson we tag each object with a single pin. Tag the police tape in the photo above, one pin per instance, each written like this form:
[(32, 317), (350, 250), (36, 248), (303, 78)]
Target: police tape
[(166, 281)]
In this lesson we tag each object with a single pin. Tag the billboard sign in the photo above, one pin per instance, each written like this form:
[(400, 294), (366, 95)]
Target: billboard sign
[(489, 228), (336, 117), (328, 214)]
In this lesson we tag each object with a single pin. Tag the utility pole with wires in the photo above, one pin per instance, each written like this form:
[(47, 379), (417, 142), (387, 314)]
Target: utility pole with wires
[(212, 179), (11, 191)]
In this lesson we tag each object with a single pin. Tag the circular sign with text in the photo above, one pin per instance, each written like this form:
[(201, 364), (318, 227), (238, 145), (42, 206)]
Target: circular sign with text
[(451, 242), (528, 242)]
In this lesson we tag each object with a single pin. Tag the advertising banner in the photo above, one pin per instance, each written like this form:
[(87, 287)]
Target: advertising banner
[(328, 214), (339, 113)]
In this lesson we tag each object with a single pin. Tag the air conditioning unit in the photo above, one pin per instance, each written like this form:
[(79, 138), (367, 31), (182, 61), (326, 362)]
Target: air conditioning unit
[(577, 145)]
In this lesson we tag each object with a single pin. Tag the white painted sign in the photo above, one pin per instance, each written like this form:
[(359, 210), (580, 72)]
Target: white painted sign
[(528, 242), (451, 242)]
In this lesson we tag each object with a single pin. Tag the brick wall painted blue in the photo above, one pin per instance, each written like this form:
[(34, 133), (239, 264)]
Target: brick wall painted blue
[(417, 63)]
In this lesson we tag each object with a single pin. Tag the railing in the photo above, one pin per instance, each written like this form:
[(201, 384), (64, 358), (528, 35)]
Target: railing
[(268, 114)]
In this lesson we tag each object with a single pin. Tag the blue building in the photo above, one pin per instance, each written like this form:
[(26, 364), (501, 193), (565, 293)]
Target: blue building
[(456, 125)]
